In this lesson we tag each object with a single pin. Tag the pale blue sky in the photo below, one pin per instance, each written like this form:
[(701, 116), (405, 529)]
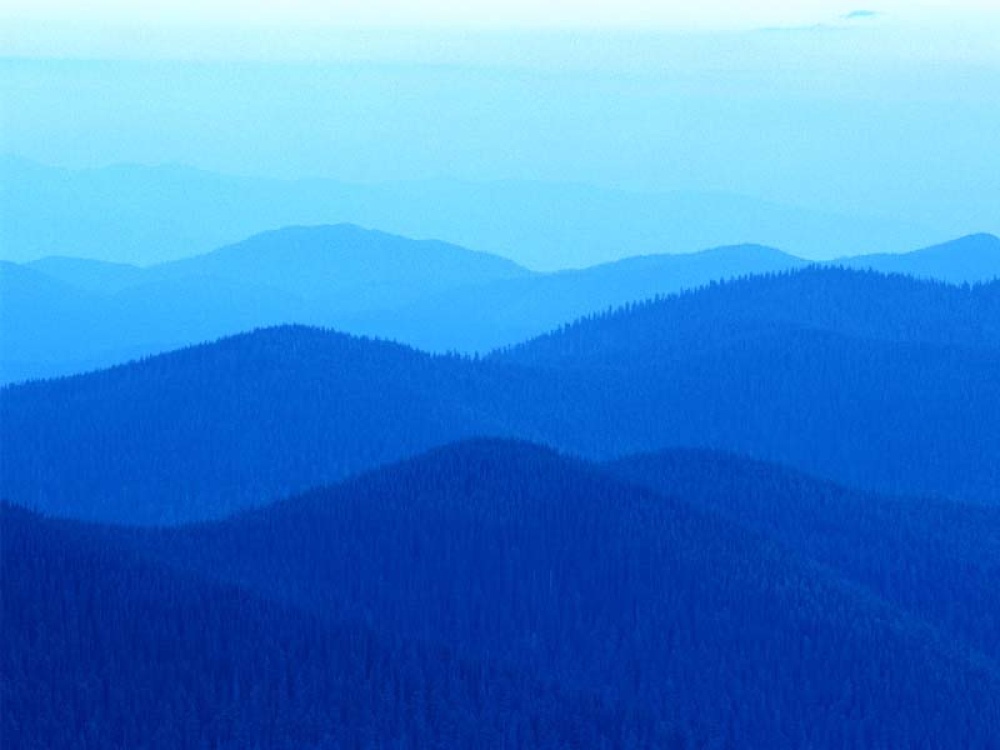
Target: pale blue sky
[(891, 114), (644, 14)]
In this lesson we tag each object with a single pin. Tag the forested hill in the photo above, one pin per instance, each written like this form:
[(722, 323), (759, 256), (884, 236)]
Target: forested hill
[(198, 433), (203, 431), (102, 649), (610, 591), (315, 275), (432, 295), (935, 559), (480, 318), (858, 304)]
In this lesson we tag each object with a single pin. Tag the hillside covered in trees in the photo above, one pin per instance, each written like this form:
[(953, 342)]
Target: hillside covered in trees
[(877, 382), (540, 600)]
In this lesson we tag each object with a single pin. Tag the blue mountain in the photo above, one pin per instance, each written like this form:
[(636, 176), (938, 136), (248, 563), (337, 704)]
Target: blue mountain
[(478, 318), (878, 382), (975, 258), (109, 313), (483, 588), (432, 295), (929, 558), (103, 647), (143, 215)]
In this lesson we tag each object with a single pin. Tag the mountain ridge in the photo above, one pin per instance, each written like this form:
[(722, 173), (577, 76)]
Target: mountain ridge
[(548, 562), (431, 295), (873, 403), (172, 211)]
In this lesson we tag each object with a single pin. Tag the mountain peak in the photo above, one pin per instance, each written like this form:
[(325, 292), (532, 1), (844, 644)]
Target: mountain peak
[(974, 258)]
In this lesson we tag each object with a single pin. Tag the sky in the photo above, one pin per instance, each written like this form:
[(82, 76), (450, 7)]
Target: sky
[(644, 14), (888, 109)]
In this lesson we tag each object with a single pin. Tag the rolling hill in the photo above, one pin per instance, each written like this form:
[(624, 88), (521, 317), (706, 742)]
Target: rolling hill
[(847, 392), (344, 268), (431, 295), (109, 313), (103, 648), (971, 259), (88, 274), (807, 369), (243, 420), (860, 305), (485, 317), (607, 590), (934, 559), (847, 375)]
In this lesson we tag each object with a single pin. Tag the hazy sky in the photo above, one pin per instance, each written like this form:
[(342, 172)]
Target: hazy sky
[(889, 108), (700, 14)]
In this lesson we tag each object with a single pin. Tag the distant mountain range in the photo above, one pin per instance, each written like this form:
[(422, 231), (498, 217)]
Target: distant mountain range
[(492, 588), (967, 260), (144, 215), (65, 315), (729, 499), (885, 383)]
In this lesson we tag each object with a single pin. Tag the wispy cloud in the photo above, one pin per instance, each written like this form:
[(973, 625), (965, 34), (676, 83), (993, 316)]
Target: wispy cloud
[(860, 14)]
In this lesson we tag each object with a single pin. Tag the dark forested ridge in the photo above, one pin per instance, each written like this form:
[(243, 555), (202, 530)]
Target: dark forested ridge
[(604, 590), (849, 375), (203, 431), (936, 559), (497, 594), (102, 649), (858, 304), (883, 382)]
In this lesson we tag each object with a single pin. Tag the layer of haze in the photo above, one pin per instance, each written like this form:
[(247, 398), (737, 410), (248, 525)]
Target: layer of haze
[(846, 110)]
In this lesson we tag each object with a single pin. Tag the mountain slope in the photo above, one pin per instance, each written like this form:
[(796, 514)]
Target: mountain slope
[(345, 267), (937, 560), (857, 304), (42, 318), (850, 376), (431, 295), (728, 368), (308, 275), (51, 327), (604, 588), (90, 275), (486, 317), (103, 648), (207, 430), (971, 259)]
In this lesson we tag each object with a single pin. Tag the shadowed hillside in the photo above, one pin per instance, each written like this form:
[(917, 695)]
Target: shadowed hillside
[(609, 590), (856, 304), (934, 559), (109, 313), (431, 295), (104, 649), (902, 403), (485, 317)]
